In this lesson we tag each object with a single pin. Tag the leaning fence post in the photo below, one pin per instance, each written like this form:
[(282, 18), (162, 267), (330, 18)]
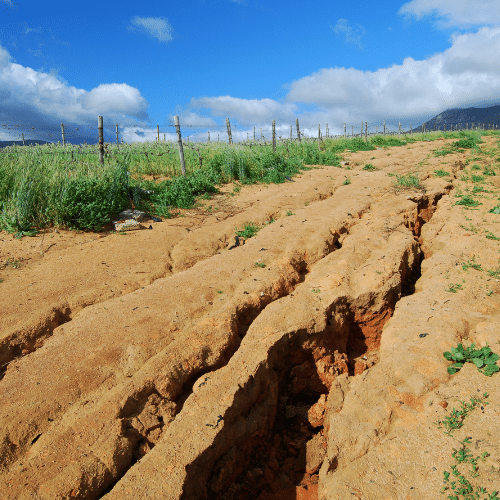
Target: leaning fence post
[(63, 135), (179, 140), (274, 136), (229, 136), (100, 127)]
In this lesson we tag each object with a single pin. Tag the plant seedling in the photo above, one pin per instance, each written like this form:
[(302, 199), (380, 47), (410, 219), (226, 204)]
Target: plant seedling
[(484, 359), (347, 181), (369, 167), (248, 230), (260, 264)]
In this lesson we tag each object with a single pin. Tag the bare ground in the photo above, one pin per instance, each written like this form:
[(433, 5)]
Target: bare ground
[(307, 363)]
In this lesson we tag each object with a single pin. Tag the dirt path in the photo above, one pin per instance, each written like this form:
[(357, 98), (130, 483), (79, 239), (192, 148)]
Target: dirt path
[(306, 363)]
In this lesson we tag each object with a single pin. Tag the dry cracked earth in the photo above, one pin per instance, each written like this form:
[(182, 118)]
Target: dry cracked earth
[(306, 363)]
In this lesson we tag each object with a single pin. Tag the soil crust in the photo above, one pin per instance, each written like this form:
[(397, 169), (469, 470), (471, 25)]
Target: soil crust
[(306, 363)]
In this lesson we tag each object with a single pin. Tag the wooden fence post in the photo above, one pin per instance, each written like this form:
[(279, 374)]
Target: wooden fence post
[(319, 137), (157, 133), (100, 127), (352, 131), (291, 132), (411, 129), (327, 131), (208, 135), (63, 135), (228, 125), (298, 129), (384, 127), (361, 133), (179, 140), (274, 136), (22, 133), (345, 131), (366, 131), (254, 133), (399, 129), (117, 143)]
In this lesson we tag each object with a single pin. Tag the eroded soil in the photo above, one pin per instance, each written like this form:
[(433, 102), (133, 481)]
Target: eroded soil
[(306, 363)]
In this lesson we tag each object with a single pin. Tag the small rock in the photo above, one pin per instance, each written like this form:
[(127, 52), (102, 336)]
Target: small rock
[(444, 404), (316, 413)]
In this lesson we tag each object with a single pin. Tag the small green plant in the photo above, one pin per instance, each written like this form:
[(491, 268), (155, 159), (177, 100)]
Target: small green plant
[(289, 212), (477, 178), (369, 167), (220, 291), (441, 173), (475, 167), (484, 359), (347, 181), (495, 210), (260, 264), (467, 201), (454, 287), (472, 263), (316, 290), (250, 229), (408, 181), (456, 418)]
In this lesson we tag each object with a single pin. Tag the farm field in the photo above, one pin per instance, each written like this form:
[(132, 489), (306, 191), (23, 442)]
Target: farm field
[(264, 341)]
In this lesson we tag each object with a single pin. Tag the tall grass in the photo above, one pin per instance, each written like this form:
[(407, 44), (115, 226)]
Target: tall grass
[(52, 185)]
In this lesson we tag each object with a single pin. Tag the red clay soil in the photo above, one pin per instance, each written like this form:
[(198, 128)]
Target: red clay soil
[(306, 363)]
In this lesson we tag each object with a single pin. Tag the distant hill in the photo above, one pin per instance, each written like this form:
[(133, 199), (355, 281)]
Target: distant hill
[(27, 142), (461, 117)]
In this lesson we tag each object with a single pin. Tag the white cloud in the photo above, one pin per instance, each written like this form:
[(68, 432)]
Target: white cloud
[(246, 111), (42, 100), (469, 71), (455, 12), (157, 27), (350, 34)]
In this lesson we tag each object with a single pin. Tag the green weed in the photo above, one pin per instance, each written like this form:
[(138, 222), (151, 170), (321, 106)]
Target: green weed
[(484, 359), (250, 229)]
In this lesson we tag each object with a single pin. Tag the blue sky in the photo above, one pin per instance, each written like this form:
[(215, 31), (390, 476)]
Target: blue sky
[(327, 62)]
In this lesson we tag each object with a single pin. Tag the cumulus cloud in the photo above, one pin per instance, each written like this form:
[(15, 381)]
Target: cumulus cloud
[(350, 34), (156, 27), (246, 111), (43, 101), (455, 12), (467, 72)]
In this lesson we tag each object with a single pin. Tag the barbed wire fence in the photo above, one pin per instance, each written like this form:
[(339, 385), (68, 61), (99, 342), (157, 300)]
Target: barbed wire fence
[(105, 147)]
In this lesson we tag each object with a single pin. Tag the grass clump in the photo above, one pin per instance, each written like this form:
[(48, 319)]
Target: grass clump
[(467, 201), (369, 167), (408, 181), (441, 173), (250, 229)]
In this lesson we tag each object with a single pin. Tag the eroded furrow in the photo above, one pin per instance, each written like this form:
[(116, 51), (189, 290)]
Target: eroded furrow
[(256, 424), (94, 405)]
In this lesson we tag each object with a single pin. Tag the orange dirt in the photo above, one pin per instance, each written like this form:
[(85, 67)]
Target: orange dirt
[(162, 364)]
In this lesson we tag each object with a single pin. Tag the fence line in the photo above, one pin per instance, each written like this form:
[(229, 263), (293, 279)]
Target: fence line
[(300, 134)]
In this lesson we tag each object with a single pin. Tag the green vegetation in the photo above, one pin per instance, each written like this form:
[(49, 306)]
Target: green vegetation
[(408, 181), (51, 185), (441, 173), (455, 480), (250, 229), (456, 419), (484, 359), (467, 201), (347, 181), (260, 264), (369, 167), (454, 287)]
